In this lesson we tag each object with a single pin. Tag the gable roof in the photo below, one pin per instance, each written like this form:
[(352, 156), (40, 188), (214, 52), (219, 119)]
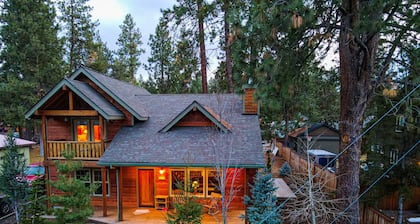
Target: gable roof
[(300, 132), (145, 144), (18, 141), (206, 111), (122, 92), (87, 93)]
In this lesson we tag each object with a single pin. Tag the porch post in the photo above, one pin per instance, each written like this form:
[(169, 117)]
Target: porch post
[(46, 153), (119, 194), (104, 196)]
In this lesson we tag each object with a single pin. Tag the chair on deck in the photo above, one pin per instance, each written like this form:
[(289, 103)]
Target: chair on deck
[(212, 205)]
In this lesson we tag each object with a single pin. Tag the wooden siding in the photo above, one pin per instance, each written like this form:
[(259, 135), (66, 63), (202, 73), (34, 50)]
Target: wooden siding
[(58, 129), (162, 185), (195, 118)]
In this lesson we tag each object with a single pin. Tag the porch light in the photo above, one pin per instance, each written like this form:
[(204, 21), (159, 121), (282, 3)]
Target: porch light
[(161, 171), (161, 174)]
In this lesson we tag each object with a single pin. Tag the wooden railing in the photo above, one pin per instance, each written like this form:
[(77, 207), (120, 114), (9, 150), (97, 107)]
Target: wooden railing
[(81, 150)]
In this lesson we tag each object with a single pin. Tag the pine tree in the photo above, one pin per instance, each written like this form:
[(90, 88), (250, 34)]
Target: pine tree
[(73, 204), (129, 51), (261, 205), (12, 177), (189, 17), (79, 31), (161, 58), (100, 56), (31, 56), (33, 211)]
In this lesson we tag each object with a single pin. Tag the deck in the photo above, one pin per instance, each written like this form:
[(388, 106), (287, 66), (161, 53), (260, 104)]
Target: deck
[(153, 216)]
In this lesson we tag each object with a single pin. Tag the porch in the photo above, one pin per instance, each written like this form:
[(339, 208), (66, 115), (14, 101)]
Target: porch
[(90, 150), (151, 215)]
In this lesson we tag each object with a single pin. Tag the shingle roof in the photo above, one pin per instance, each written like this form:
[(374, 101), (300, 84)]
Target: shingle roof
[(144, 145), (97, 101), (124, 93)]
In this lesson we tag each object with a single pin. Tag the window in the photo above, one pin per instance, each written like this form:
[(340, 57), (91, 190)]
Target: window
[(199, 182), (93, 177), (195, 182), (177, 181), (212, 182), (87, 130)]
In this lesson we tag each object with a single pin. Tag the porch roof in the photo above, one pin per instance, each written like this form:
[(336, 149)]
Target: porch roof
[(145, 144), (87, 93)]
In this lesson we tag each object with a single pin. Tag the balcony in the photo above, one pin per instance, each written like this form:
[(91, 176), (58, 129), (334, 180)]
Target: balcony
[(81, 150)]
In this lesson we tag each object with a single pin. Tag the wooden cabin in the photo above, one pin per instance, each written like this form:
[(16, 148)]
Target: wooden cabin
[(139, 147)]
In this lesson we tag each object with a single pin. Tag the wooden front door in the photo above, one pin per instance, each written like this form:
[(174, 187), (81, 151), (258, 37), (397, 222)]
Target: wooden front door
[(146, 187)]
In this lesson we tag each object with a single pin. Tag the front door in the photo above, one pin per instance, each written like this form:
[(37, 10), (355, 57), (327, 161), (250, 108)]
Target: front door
[(146, 192)]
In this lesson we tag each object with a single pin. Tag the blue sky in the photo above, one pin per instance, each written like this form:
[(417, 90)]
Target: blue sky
[(111, 13)]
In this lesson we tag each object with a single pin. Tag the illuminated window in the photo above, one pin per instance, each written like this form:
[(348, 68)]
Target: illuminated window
[(212, 182), (199, 182), (87, 130), (177, 182), (196, 184)]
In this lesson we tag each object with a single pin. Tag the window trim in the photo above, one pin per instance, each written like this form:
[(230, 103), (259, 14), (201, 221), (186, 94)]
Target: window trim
[(90, 123), (205, 174), (91, 181)]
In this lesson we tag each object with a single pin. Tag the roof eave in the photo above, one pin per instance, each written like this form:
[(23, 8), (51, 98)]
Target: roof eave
[(108, 91), (129, 164)]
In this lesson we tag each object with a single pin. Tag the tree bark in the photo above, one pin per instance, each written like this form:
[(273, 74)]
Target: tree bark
[(228, 43), (357, 55), (203, 60)]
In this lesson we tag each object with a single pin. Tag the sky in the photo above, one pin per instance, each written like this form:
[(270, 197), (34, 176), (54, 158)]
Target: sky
[(111, 13)]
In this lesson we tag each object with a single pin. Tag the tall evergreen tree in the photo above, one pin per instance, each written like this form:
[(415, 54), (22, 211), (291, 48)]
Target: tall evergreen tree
[(190, 17), (12, 177), (161, 57), (129, 51), (31, 56), (79, 31), (74, 198), (100, 56)]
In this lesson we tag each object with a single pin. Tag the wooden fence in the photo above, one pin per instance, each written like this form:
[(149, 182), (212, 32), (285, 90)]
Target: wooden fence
[(369, 215), (299, 164)]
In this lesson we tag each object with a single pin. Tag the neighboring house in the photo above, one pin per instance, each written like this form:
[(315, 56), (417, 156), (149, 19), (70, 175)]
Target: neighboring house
[(321, 136), (137, 146), (24, 147)]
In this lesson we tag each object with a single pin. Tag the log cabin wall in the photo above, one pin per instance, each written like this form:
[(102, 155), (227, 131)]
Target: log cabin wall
[(238, 186), (58, 129), (162, 183)]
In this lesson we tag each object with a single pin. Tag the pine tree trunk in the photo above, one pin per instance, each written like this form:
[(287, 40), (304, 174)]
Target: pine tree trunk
[(400, 208), (203, 60), (357, 56), (228, 43)]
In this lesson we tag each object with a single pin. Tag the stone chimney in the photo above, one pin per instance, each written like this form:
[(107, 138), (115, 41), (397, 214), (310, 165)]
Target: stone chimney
[(250, 105)]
